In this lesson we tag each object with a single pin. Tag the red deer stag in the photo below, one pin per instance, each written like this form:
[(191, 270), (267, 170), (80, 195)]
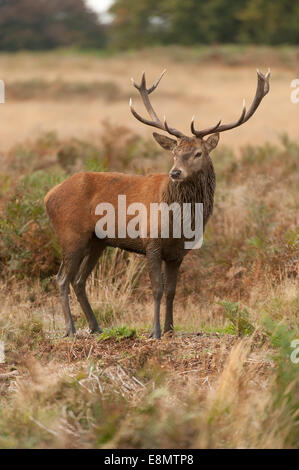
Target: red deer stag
[(71, 207)]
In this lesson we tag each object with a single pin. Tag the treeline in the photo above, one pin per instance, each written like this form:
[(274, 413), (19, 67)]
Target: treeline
[(150, 22), (47, 24), (44, 24)]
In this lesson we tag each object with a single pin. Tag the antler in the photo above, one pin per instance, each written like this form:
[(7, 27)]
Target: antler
[(156, 122), (262, 89)]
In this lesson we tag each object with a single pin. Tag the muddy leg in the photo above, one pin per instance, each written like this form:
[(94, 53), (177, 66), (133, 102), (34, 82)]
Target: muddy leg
[(79, 284), (155, 272), (171, 274), (66, 273)]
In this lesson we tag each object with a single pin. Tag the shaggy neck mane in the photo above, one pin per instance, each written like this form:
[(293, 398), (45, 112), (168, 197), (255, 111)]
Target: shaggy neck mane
[(198, 188)]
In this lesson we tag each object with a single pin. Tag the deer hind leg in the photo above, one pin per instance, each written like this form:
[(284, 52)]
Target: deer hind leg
[(155, 272), (171, 274), (66, 274), (79, 284)]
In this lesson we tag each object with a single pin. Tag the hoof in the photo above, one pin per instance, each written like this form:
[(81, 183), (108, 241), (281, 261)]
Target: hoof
[(155, 334), (168, 333), (95, 330), (69, 334)]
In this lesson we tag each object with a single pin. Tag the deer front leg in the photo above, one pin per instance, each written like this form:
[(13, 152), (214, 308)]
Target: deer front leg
[(171, 274), (155, 272)]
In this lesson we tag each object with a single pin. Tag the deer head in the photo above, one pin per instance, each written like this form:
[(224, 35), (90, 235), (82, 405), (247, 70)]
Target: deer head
[(191, 154)]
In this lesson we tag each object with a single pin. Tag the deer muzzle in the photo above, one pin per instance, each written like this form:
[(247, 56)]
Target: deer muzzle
[(175, 175)]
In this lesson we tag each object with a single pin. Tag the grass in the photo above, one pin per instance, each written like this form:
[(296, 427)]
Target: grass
[(229, 54), (123, 391), (75, 93), (34, 89), (118, 333), (238, 318)]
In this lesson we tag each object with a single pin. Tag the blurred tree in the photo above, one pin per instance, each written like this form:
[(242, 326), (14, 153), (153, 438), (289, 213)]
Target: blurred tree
[(269, 22), (149, 22), (42, 24), (137, 24), (45, 24)]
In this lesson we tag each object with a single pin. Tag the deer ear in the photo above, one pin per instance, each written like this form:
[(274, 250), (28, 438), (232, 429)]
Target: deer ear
[(212, 141), (166, 142)]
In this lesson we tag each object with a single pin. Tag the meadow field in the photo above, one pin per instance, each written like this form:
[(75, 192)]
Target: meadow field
[(74, 93), (228, 378)]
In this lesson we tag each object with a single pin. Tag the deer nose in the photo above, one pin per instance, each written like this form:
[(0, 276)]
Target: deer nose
[(175, 174)]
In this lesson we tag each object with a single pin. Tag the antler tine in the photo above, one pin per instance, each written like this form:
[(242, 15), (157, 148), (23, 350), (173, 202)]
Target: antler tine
[(263, 87), (143, 83), (144, 92), (209, 130), (144, 120), (154, 86), (172, 130)]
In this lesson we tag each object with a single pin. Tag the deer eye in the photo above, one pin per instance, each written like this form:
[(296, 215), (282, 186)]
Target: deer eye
[(198, 154)]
